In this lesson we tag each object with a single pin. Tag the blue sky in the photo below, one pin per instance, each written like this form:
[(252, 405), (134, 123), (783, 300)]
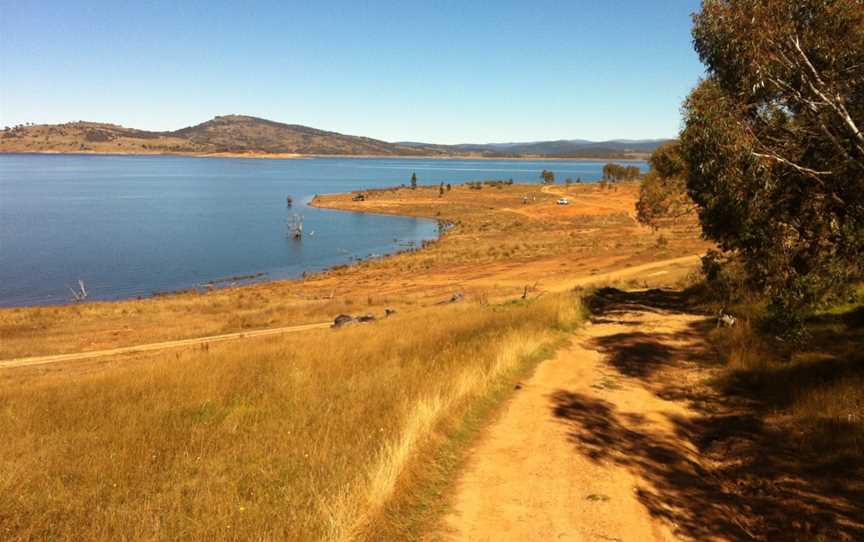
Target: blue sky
[(444, 72)]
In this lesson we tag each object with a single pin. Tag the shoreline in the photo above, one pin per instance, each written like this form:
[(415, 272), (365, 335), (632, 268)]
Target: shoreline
[(319, 201), (498, 248), (297, 156), (259, 278)]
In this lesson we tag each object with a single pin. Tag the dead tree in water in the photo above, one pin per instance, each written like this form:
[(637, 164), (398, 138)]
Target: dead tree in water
[(295, 227), (289, 202), (80, 294)]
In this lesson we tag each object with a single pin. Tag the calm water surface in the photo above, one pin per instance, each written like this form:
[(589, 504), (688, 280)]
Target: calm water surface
[(134, 225)]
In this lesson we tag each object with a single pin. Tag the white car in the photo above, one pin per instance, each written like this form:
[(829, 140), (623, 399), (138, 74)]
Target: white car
[(563, 201)]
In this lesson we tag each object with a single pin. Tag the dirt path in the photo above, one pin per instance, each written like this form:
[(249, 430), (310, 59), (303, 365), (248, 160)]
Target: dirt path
[(564, 461), (625, 273), (42, 360)]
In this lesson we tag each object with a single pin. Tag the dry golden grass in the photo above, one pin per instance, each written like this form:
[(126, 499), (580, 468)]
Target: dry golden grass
[(818, 388), (497, 247), (27, 331), (301, 437)]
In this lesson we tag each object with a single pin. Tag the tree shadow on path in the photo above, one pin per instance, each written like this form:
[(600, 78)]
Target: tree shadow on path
[(724, 473)]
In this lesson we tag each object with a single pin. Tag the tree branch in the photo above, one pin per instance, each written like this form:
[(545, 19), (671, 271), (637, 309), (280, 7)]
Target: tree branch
[(836, 105), (814, 107), (781, 160)]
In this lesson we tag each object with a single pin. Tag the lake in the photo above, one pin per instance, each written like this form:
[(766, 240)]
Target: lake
[(132, 226)]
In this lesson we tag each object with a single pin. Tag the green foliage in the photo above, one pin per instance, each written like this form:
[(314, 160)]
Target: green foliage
[(773, 144), (667, 161), (547, 177), (725, 280), (414, 180), (663, 193), (617, 172)]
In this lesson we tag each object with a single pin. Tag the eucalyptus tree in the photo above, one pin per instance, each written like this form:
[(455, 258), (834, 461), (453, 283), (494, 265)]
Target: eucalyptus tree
[(773, 142)]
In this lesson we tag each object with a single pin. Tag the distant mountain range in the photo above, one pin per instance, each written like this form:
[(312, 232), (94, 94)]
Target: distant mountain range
[(561, 147), (244, 135)]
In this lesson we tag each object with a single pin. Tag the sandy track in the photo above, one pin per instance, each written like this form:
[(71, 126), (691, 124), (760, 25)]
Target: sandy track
[(625, 273), (557, 286), (41, 360), (543, 471)]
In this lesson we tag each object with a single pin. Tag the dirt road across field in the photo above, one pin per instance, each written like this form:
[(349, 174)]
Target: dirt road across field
[(42, 360), (558, 286)]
